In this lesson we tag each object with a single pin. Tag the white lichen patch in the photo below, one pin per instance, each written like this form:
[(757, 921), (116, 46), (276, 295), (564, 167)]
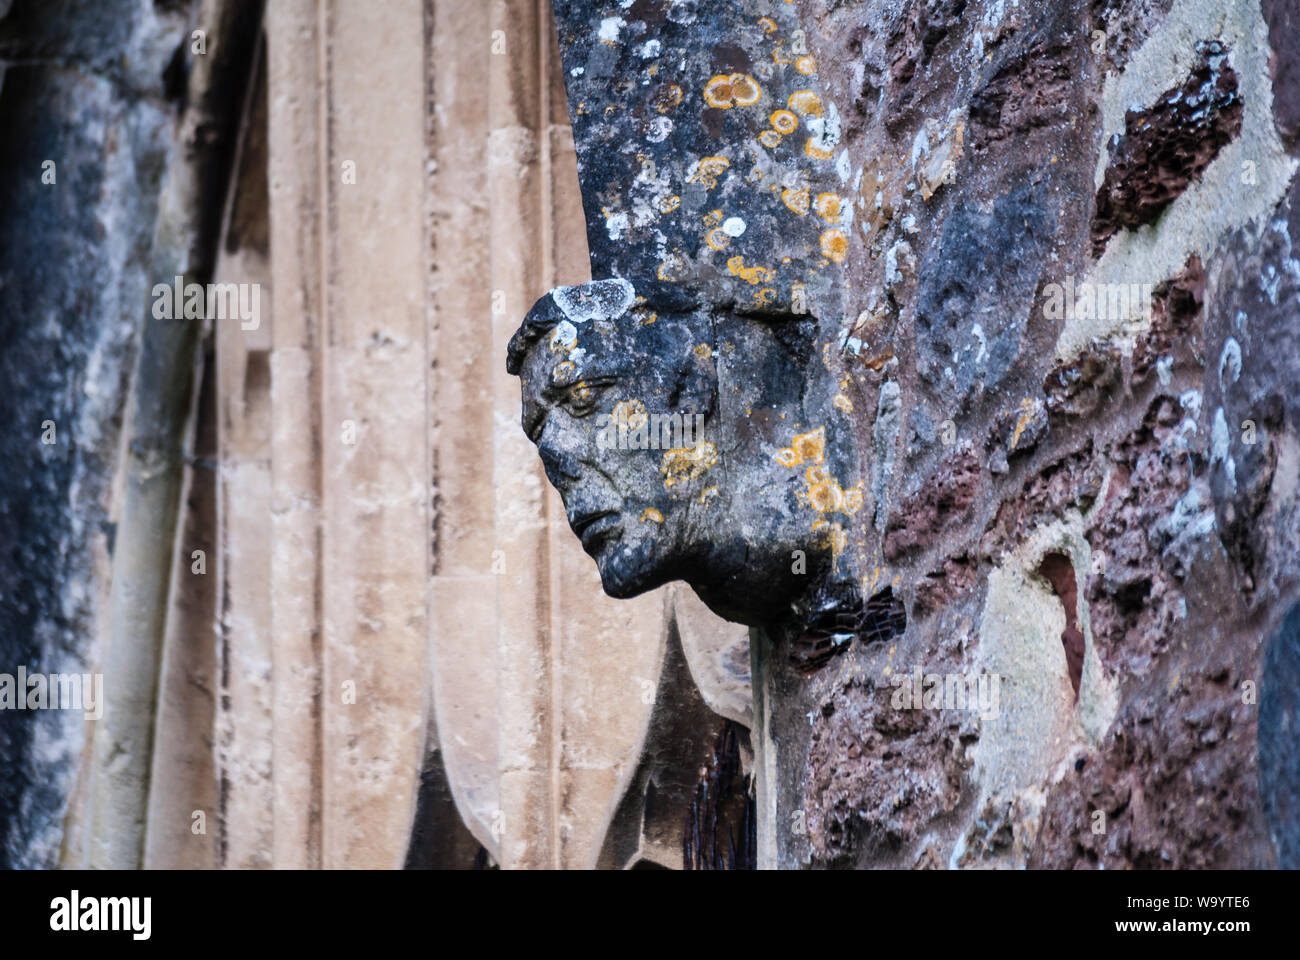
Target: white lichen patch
[(1229, 363), (1219, 447), (610, 28), (733, 226), (823, 132), (607, 299), (615, 224)]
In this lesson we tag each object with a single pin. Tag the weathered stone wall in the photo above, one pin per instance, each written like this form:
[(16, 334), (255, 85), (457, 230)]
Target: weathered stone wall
[(1100, 511), (85, 115)]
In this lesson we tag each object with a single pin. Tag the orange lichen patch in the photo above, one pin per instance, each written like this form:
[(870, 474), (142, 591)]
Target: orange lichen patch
[(806, 103), (669, 204), (870, 580), (783, 121), (564, 372), (667, 97), (842, 403), (683, 464), (829, 206), (717, 92), (563, 339), (765, 296), (651, 515), (708, 494), (717, 240), (835, 245), (752, 275), (768, 24), (703, 351), (815, 152), (806, 65), (786, 457), (811, 446), (671, 269), (731, 90), (611, 110), (708, 170), (745, 90), (630, 415), (816, 474), (838, 540), (796, 200), (712, 218), (832, 535), (853, 499), (648, 319), (826, 497), (1022, 422), (770, 139)]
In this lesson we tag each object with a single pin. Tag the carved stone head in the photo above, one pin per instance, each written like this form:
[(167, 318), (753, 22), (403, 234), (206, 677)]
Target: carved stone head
[(682, 439)]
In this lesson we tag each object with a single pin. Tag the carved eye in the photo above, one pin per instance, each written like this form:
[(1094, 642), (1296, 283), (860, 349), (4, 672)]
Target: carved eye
[(582, 396)]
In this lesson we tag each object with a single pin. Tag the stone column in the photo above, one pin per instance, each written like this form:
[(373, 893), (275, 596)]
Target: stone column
[(296, 173)]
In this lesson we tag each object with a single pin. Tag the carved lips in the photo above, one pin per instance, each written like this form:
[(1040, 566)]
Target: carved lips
[(593, 527)]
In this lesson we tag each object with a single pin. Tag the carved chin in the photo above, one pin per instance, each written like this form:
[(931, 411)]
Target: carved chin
[(628, 568)]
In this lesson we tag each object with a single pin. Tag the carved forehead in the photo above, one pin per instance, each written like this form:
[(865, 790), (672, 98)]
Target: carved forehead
[(652, 351), (607, 320)]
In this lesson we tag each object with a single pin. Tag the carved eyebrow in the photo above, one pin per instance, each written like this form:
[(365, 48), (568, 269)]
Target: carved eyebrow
[(606, 367), (594, 374)]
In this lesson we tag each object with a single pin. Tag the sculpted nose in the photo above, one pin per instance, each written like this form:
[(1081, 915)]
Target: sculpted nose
[(562, 467)]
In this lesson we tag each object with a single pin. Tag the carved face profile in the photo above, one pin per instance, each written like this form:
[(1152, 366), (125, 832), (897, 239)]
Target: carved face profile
[(617, 399), (676, 437)]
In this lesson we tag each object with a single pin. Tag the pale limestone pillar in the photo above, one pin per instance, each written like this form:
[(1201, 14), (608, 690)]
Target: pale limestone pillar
[(244, 728), (296, 173), (374, 436), (526, 654), (463, 595)]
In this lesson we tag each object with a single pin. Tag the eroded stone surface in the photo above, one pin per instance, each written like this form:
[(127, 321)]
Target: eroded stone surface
[(1167, 146), (1097, 508)]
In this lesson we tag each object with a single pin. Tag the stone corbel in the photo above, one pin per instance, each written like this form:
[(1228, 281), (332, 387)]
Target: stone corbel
[(687, 404), (690, 404)]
